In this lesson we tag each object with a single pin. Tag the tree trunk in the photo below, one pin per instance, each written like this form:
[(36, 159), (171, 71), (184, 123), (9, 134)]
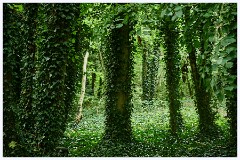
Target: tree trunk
[(206, 118), (150, 65), (232, 108), (99, 94), (93, 81), (232, 95), (144, 73), (101, 61), (119, 80), (50, 91), (12, 52), (26, 120), (80, 115), (74, 65), (172, 76)]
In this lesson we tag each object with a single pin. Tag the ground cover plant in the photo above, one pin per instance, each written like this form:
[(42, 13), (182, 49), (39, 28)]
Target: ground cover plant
[(119, 80), (152, 139)]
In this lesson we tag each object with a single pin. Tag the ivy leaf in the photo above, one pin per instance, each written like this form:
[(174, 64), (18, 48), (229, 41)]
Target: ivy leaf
[(227, 41), (211, 39), (178, 8), (206, 45), (73, 40), (47, 58), (214, 67), (229, 64), (220, 96), (230, 49), (119, 25), (12, 144), (174, 17), (229, 88), (207, 15), (179, 13), (74, 32), (219, 61), (125, 21), (203, 75), (73, 59), (163, 13)]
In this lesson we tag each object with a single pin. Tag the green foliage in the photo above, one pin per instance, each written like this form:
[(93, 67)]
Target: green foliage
[(25, 113), (12, 52), (151, 136), (119, 66), (202, 94), (172, 58), (79, 45), (150, 66), (229, 53), (43, 52), (49, 105)]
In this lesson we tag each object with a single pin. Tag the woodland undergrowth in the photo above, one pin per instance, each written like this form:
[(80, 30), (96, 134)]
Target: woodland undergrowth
[(151, 135)]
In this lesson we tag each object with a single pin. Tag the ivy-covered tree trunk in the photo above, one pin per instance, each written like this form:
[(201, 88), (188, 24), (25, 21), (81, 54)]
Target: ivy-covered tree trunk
[(185, 78), (144, 73), (12, 52), (232, 107), (100, 86), (172, 59), (75, 61), (206, 118), (26, 114), (119, 66), (150, 65), (153, 71), (202, 101), (93, 82), (54, 48), (231, 94)]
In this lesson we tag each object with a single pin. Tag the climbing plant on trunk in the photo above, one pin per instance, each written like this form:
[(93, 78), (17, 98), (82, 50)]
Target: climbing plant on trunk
[(12, 53), (26, 114), (150, 65), (54, 45), (119, 68), (226, 62), (172, 60), (202, 95)]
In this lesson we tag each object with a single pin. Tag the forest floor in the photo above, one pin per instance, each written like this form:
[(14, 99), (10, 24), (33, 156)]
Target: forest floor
[(152, 139)]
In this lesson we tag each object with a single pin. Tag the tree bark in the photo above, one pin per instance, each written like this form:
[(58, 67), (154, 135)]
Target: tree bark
[(80, 115)]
